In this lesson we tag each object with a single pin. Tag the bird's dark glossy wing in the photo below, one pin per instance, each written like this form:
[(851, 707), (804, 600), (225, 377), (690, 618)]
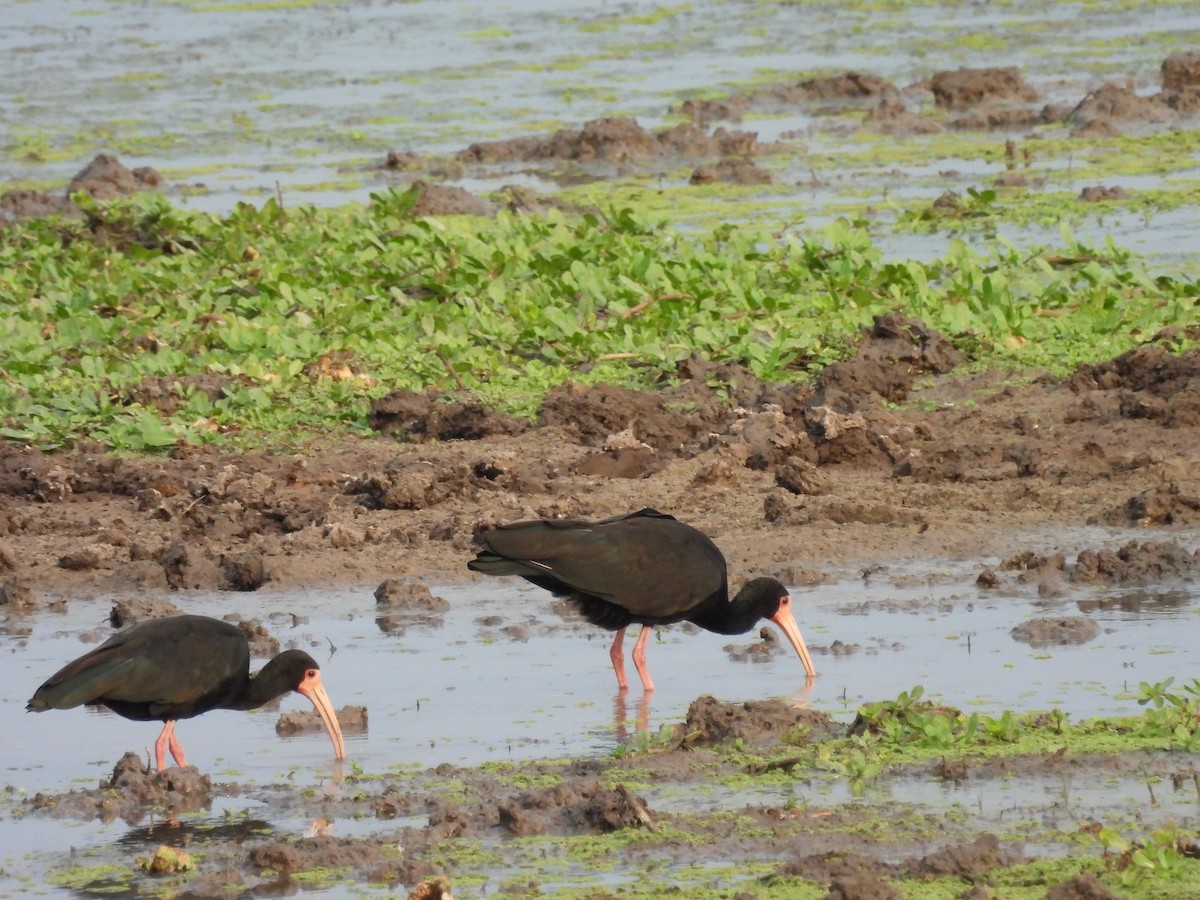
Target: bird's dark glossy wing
[(649, 563), (81, 681), (161, 662)]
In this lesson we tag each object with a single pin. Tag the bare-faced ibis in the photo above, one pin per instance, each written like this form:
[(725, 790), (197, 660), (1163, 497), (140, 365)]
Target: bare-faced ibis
[(178, 667), (645, 567)]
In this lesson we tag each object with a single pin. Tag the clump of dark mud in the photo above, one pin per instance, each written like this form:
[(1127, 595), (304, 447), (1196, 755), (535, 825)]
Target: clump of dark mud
[(131, 610), (764, 649), (286, 857), (1133, 563), (835, 867), (709, 721), (731, 171), (446, 200), (432, 417), (1060, 631), (596, 412), (399, 595), (1165, 504), (971, 862), (402, 603), (414, 484), (575, 808), (352, 719), (614, 141), (850, 88), (1147, 382), (988, 99), (104, 178), (965, 88), (855, 877), (131, 793), (1084, 886), (890, 356)]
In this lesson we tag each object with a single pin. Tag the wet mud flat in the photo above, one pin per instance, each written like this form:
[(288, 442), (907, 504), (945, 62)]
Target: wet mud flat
[(934, 122), (497, 756)]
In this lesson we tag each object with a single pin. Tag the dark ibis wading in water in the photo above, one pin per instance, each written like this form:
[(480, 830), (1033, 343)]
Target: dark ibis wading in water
[(178, 667), (646, 567)]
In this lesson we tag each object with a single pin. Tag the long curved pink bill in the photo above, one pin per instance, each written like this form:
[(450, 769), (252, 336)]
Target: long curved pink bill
[(315, 692), (787, 624)]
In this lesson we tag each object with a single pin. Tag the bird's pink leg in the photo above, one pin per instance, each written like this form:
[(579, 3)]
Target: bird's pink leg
[(639, 658), (176, 748), (167, 741), (617, 655), (160, 746)]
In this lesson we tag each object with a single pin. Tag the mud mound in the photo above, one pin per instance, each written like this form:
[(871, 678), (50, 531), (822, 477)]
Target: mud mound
[(413, 485), (1133, 563), (1056, 632), (399, 595), (16, 597), (1150, 383), (263, 645), (829, 867), (963, 88), (848, 88), (971, 862), (321, 852), (131, 793), (766, 648), (892, 352), (1181, 71), (25, 204), (1084, 886), (862, 887), (614, 141), (1113, 102), (891, 116), (430, 416), (106, 178), (731, 171), (988, 99), (352, 719), (1165, 504), (575, 808), (441, 200), (596, 412), (136, 609), (709, 721), (403, 603)]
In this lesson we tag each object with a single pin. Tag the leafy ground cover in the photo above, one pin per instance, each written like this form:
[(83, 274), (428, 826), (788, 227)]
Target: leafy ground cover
[(275, 322)]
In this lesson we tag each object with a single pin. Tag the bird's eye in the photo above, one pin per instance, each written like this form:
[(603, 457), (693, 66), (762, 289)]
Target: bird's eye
[(311, 673), (785, 601)]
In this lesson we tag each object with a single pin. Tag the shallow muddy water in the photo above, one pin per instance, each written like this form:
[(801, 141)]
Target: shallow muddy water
[(464, 691)]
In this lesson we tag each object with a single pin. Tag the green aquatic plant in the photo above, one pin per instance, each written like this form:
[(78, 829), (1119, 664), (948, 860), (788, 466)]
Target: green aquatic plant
[(144, 325), (1172, 714), (1156, 858)]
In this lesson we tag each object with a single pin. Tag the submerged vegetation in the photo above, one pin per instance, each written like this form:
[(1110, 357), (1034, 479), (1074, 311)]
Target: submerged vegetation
[(273, 322)]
